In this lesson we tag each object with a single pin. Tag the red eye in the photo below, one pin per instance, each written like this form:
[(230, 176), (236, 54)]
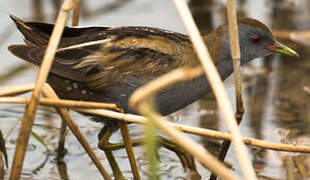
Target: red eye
[(256, 39)]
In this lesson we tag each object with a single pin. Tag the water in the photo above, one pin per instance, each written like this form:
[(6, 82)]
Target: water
[(276, 91)]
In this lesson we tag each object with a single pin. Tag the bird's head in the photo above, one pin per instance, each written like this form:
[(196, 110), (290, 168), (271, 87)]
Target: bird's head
[(256, 40)]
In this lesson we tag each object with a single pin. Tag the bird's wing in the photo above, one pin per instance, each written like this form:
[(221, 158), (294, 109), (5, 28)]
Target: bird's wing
[(101, 56), (114, 61)]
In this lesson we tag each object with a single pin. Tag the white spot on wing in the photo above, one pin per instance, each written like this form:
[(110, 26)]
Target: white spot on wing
[(75, 85), (109, 68)]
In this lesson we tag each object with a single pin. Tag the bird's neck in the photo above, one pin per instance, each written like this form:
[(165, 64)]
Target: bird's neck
[(225, 69), (187, 92)]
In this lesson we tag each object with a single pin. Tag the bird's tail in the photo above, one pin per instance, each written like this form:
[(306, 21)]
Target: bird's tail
[(34, 36)]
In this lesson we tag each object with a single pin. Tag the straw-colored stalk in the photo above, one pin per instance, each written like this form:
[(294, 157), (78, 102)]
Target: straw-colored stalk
[(290, 168), (123, 125), (76, 13), (16, 89), (302, 37), (129, 149), (235, 54), (200, 131), (198, 151), (30, 110), (62, 103), (188, 129), (49, 92), (301, 167), (63, 129), (217, 87), (63, 132), (185, 128)]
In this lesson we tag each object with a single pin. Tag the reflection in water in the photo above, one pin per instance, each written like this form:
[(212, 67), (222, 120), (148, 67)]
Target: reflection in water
[(15, 71), (62, 169), (3, 156), (275, 94)]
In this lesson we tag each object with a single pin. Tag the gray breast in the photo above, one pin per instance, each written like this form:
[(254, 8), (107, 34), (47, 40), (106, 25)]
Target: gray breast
[(170, 99)]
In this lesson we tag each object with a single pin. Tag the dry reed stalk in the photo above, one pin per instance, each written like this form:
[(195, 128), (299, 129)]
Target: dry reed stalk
[(49, 92), (61, 150), (185, 128), (62, 103), (290, 168), (298, 36), (301, 167), (123, 125), (200, 131), (63, 129), (282, 34), (129, 149), (218, 88), (75, 104), (76, 13), (30, 110), (198, 151), (194, 130), (235, 54), (16, 89)]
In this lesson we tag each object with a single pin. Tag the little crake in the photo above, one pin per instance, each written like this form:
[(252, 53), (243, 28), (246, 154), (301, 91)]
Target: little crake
[(107, 64)]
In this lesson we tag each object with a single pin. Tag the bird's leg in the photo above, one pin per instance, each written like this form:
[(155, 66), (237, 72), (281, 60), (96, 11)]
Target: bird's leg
[(129, 149), (104, 137), (186, 159)]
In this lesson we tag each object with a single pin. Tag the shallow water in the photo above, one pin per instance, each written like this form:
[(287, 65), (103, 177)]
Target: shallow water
[(276, 91)]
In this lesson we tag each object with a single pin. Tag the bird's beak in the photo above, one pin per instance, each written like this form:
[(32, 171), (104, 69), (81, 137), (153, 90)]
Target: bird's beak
[(282, 49)]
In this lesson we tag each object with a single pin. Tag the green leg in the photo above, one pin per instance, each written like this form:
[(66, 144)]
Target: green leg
[(186, 159), (104, 144)]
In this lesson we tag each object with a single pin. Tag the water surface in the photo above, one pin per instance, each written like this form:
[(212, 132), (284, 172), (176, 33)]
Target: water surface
[(276, 90)]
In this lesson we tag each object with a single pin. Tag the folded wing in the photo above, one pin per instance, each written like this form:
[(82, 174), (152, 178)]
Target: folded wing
[(104, 56)]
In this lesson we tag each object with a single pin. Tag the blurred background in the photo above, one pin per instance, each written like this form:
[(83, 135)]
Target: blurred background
[(276, 90)]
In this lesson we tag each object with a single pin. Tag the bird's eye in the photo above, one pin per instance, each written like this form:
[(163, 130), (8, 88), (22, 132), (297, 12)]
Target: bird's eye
[(256, 39)]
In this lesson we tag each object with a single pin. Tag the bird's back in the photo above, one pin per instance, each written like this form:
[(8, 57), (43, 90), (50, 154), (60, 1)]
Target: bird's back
[(105, 63), (93, 50)]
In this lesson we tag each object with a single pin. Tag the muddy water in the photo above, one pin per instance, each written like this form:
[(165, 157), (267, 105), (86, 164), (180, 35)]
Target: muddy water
[(276, 91)]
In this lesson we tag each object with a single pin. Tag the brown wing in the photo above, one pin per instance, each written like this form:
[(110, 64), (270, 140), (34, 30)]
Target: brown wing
[(117, 59), (101, 56)]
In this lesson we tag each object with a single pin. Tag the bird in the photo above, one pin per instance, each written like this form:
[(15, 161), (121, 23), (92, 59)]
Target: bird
[(107, 64)]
